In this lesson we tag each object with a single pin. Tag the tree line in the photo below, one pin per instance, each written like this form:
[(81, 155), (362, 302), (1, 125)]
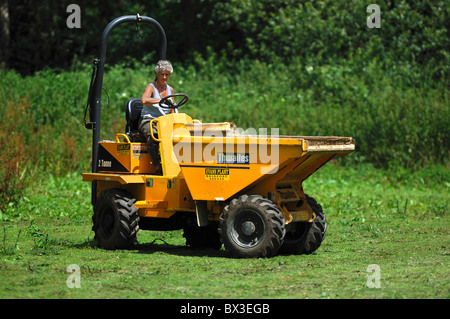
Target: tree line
[(413, 35)]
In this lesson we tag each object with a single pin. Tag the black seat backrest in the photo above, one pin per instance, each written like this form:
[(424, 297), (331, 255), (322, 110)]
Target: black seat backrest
[(133, 114)]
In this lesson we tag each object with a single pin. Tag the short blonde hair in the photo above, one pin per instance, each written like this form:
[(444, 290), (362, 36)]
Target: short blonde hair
[(163, 65)]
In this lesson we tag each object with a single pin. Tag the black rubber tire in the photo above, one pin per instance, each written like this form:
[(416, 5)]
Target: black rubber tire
[(304, 237), (252, 226), (115, 219), (203, 237)]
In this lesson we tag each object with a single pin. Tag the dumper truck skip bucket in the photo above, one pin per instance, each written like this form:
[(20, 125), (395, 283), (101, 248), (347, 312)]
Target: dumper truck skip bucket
[(219, 163)]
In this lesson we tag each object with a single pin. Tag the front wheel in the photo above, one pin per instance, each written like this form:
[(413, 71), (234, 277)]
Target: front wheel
[(115, 219), (252, 226), (305, 237)]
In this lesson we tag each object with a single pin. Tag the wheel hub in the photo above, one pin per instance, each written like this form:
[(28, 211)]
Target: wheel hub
[(248, 228)]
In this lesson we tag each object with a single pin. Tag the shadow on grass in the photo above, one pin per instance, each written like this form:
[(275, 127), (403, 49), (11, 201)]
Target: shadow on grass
[(160, 246)]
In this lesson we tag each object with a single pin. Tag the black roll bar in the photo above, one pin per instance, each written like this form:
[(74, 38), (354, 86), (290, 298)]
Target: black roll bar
[(94, 99)]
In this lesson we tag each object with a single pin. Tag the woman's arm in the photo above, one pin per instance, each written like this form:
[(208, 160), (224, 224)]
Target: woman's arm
[(147, 97)]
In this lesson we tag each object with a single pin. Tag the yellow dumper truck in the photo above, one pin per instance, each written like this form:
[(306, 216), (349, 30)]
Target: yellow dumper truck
[(219, 184)]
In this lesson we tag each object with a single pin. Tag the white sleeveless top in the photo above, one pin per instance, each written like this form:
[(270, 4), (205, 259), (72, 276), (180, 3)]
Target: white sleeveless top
[(154, 111)]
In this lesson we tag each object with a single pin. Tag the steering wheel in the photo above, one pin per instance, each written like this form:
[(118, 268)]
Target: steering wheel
[(166, 102)]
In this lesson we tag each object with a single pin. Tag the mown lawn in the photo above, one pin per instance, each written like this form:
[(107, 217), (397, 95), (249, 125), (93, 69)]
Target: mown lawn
[(396, 220)]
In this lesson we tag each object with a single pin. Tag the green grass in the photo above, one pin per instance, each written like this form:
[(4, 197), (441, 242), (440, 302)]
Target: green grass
[(394, 219)]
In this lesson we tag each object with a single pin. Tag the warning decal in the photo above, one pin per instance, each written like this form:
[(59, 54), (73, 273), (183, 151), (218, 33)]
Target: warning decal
[(217, 174), (123, 149), (139, 150)]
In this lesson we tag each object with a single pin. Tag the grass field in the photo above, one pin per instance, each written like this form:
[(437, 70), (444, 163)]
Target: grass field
[(396, 220)]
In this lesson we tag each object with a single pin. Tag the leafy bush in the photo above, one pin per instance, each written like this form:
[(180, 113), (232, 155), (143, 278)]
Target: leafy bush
[(39, 130), (13, 159), (413, 35)]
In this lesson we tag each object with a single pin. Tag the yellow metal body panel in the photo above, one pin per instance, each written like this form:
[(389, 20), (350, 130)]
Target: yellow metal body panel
[(209, 177), (120, 178), (165, 125), (156, 196), (124, 157), (164, 196)]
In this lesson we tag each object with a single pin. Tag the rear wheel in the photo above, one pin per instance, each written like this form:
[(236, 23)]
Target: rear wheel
[(304, 237), (252, 226), (115, 219)]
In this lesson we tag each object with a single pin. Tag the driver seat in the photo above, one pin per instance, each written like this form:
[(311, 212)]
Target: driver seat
[(133, 114)]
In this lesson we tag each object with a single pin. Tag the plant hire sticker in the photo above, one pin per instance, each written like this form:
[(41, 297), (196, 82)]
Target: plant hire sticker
[(217, 174)]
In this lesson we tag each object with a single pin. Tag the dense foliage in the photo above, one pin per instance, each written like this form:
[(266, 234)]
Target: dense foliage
[(414, 35), (307, 68)]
